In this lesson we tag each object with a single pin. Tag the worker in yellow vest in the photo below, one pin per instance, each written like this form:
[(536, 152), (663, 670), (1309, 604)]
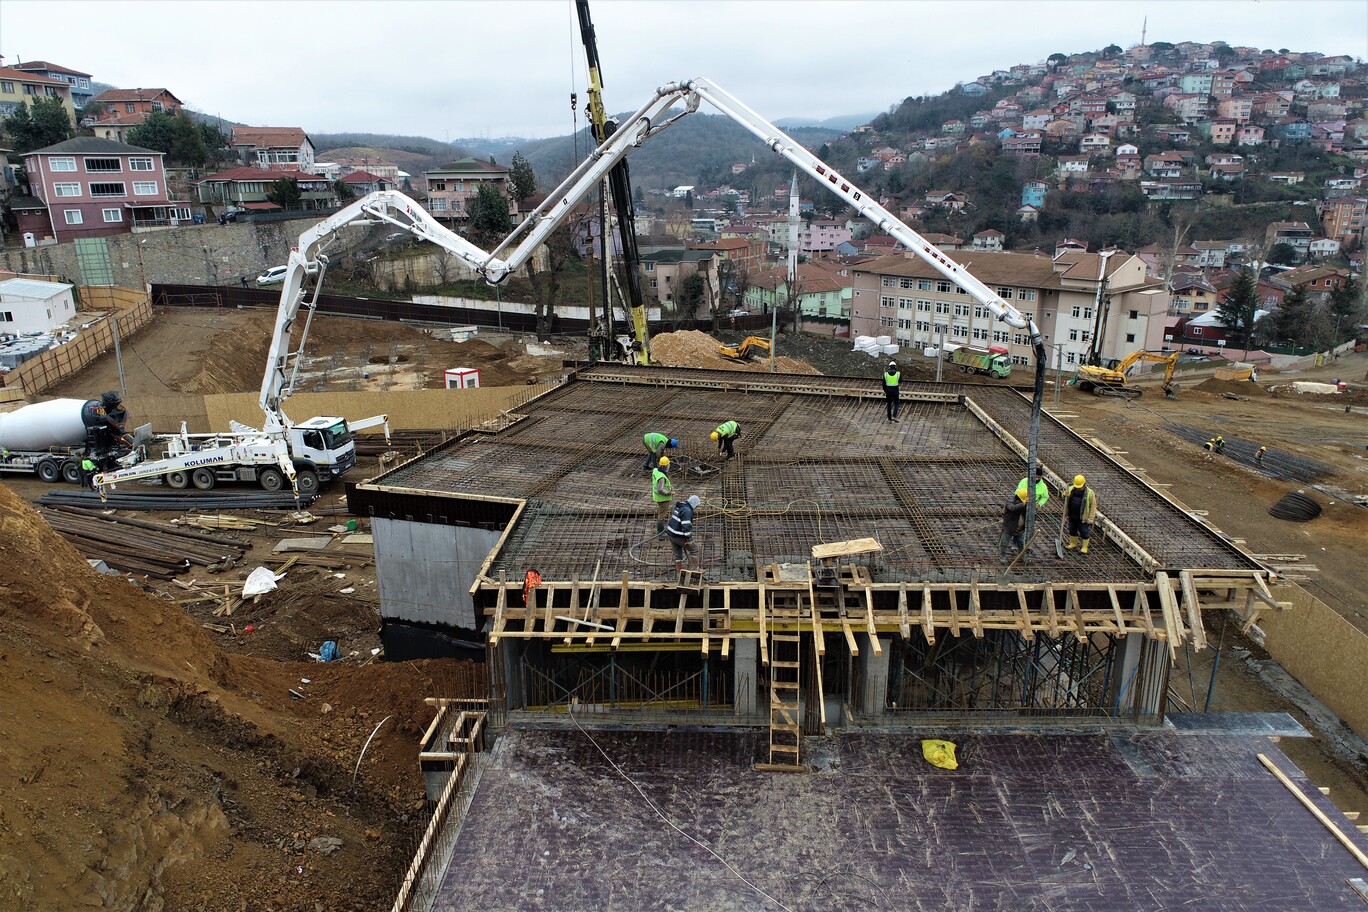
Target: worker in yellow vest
[(662, 492)]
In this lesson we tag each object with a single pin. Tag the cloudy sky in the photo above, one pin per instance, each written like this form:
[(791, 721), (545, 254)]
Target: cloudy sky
[(454, 68)]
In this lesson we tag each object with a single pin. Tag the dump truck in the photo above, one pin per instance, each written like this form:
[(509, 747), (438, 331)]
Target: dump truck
[(49, 439), (992, 361)]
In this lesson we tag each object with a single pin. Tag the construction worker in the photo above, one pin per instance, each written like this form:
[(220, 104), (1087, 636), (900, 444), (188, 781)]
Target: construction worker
[(725, 437), (87, 471), (1210, 445), (662, 492), (1259, 456), (1081, 507), (1013, 526), (656, 445), (891, 378), (1042, 490), (1219, 445), (680, 532)]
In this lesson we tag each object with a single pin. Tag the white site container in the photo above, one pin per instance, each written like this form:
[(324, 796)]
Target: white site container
[(890, 349), (462, 377)]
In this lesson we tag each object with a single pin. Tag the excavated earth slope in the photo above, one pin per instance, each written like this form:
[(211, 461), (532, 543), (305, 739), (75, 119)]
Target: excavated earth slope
[(144, 769)]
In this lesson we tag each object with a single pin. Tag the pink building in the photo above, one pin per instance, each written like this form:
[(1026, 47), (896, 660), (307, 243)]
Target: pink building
[(92, 187), (823, 236)]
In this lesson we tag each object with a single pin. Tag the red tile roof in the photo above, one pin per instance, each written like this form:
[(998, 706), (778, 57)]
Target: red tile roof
[(363, 177), (50, 67), (120, 95), (269, 136), (258, 174), (10, 73)]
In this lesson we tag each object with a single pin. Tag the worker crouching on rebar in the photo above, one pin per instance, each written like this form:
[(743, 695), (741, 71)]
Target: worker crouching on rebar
[(725, 437), (656, 445), (1013, 535), (662, 492), (891, 378), (680, 533), (1081, 506)]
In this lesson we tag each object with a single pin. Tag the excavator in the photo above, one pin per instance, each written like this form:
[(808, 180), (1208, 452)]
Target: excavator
[(743, 352), (1111, 381)]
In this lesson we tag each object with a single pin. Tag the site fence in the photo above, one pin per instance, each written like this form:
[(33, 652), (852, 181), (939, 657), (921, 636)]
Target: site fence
[(408, 311), (131, 311)]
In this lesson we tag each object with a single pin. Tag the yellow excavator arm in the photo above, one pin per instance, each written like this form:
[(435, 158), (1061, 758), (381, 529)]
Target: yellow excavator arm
[(1107, 381), (743, 351)]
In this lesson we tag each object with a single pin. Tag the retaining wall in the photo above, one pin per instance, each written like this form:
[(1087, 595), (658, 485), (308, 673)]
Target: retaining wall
[(1323, 651)]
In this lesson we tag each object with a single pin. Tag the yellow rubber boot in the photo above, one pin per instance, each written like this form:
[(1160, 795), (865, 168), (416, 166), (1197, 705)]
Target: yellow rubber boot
[(1084, 549), (1073, 543)]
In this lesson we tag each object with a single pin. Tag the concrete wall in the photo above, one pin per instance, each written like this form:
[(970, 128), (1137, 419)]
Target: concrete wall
[(424, 572), (191, 254), (1323, 651)]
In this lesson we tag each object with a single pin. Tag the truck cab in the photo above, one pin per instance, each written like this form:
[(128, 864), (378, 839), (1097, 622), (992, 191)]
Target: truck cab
[(326, 442)]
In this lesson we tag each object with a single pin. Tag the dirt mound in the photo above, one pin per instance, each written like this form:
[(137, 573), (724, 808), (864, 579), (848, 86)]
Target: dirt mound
[(691, 348), (146, 769), (1234, 387)]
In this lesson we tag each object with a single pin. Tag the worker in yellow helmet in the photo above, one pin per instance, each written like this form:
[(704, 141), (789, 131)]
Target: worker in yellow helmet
[(662, 492), (1081, 508), (725, 437), (1013, 535)]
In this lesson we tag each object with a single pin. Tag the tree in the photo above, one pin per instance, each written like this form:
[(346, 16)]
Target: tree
[(688, 199), (1110, 51), (157, 132), (1236, 310), (41, 123), (488, 211), (187, 147), (560, 247), (1346, 309), (1292, 318), (215, 142), (1282, 254), (285, 193), (522, 180), (1054, 60), (344, 191), (690, 297)]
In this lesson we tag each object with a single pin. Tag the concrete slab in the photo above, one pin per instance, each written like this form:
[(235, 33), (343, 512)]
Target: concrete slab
[(1058, 822)]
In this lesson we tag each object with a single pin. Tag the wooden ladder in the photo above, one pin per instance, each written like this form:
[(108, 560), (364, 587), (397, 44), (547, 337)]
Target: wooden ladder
[(785, 670)]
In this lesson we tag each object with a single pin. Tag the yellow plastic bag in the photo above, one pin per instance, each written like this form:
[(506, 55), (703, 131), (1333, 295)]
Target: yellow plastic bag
[(940, 753)]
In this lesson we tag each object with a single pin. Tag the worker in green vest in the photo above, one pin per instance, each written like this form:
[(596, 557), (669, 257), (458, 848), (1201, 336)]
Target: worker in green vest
[(891, 378), (656, 445), (725, 437), (1042, 492), (87, 471), (662, 492)]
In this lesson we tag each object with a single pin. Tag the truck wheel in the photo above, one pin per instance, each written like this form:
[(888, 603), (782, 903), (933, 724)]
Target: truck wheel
[(71, 472), (203, 479), (307, 482), (178, 480), (271, 479), (48, 470)]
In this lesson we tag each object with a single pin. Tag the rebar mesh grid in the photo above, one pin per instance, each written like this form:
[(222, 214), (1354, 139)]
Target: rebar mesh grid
[(1278, 463), (812, 469)]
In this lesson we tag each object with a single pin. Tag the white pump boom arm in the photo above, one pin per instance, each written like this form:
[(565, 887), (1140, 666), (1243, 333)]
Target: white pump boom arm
[(394, 208)]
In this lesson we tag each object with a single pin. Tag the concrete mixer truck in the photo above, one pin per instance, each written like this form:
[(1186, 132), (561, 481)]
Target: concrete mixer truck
[(49, 439)]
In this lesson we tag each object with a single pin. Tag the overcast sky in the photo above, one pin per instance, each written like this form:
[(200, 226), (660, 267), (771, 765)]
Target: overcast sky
[(454, 68)]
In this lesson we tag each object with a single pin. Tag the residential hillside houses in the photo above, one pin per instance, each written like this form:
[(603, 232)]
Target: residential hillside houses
[(120, 110)]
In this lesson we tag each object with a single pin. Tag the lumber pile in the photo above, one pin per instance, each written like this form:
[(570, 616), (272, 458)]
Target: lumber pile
[(140, 546)]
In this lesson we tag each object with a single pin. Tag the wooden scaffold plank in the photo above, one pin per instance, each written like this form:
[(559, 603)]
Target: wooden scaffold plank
[(928, 625), (1194, 610)]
